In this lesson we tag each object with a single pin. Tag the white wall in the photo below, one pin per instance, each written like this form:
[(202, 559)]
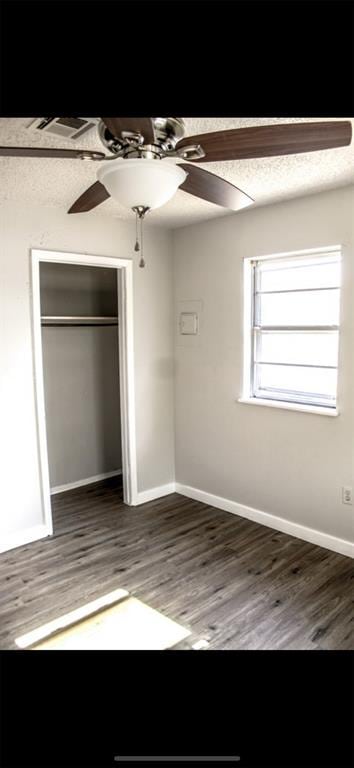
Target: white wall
[(25, 227), (288, 464)]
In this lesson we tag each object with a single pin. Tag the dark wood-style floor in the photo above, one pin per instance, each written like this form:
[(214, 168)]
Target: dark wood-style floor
[(233, 582)]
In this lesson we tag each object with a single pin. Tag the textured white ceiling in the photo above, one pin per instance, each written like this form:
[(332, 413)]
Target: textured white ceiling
[(59, 182)]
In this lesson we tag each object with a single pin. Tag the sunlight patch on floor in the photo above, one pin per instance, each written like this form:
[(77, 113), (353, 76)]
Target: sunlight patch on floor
[(113, 622)]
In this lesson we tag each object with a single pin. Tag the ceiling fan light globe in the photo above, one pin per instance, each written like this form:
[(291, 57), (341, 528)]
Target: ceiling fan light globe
[(139, 181)]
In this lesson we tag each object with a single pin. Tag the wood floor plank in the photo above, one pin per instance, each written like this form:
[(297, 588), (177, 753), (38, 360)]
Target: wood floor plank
[(229, 580)]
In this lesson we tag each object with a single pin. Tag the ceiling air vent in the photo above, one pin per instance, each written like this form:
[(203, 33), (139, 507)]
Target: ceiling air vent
[(66, 127)]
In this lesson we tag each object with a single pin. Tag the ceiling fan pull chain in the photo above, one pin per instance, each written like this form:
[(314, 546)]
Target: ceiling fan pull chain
[(137, 246), (142, 260), (140, 211)]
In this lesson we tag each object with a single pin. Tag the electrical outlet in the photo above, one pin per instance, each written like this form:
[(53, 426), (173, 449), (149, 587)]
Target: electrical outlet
[(347, 494)]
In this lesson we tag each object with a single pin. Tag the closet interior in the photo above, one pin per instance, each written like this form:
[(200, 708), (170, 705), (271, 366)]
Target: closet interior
[(79, 320)]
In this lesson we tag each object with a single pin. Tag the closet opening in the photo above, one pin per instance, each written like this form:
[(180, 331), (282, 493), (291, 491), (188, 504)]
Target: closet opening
[(84, 374)]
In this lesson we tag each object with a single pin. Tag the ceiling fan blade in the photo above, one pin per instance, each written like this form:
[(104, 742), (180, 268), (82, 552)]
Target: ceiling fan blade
[(93, 196), (141, 125), (213, 188), (81, 154), (270, 140)]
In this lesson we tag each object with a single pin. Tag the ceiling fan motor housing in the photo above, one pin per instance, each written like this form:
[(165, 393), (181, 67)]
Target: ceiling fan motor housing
[(168, 131)]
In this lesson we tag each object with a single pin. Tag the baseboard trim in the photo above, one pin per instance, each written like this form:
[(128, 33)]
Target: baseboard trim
[(342, 546), (20, 538), (155, 493), (84, 481)]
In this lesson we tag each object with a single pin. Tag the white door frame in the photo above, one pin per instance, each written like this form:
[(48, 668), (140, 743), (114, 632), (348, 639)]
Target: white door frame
[(124, 269)]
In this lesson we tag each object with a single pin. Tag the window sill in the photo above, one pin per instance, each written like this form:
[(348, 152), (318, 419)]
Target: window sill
[(320, 411)]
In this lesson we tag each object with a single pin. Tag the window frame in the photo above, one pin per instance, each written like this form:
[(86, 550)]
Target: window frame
[(249, 335)]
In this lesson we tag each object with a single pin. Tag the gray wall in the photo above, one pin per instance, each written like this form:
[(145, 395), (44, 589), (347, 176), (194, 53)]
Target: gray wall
[(81, 374), (23, 227), (286, 463), (71, 289), (81, 382)]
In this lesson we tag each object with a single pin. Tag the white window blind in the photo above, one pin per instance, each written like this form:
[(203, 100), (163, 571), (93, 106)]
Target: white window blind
[(295, 327)]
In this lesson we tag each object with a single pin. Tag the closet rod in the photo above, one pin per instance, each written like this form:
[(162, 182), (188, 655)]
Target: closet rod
[(67, 320)]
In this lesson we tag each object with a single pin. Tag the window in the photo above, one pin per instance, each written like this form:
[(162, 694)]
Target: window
[(292, 329)]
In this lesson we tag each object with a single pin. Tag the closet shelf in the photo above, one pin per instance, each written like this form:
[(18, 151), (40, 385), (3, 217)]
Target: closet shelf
[(64, 320)]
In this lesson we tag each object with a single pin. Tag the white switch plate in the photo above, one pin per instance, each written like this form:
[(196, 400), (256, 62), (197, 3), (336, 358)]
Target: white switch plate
[(347, 495), (188, 323), (189, 306)]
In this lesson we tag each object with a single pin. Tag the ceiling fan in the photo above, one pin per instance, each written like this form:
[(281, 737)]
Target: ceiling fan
[(130, 173)]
